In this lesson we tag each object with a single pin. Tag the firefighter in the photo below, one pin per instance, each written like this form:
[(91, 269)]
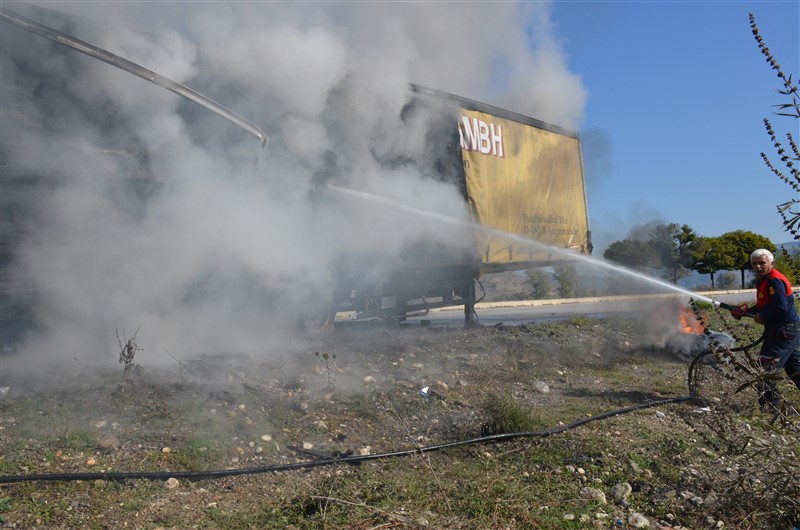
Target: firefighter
[(775, 310)]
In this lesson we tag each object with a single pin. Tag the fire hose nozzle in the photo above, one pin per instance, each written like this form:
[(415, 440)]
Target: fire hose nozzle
[(738, 311)]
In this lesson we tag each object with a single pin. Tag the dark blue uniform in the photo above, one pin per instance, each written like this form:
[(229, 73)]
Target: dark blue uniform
[(781, 346)]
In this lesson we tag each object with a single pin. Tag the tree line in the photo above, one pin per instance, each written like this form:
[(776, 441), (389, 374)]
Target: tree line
[(672, 251), (668, 252)]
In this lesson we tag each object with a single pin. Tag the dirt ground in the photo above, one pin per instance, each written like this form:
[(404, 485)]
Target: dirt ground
[(386, 426)]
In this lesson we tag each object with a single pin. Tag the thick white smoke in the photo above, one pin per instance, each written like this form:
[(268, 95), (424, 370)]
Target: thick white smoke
[(215, 236)]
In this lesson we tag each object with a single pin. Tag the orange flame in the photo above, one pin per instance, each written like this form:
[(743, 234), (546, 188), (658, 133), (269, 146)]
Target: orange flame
[(689, 322)]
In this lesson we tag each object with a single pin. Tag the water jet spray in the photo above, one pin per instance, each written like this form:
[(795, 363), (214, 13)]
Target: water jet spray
[(562, 252)]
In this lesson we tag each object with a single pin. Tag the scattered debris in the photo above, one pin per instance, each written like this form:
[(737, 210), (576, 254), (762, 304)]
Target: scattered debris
[(427, 392)]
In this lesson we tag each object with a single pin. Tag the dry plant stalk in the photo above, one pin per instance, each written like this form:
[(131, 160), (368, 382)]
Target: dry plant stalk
[(788, 211), (127, 351), (330, 365)]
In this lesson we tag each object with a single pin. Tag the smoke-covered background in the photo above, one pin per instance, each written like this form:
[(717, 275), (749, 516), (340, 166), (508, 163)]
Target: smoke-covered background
[(214, 237)]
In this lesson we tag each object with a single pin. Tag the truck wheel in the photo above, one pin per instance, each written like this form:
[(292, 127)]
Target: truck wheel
[(317, 318)]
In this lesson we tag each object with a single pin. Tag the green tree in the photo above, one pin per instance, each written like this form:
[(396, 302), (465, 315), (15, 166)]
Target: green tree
[(727, 280), (565, 280), (633, 253), (790, 210), (709, 256), (789, 264), (667, 248), (540, 283), (739, 244), (673, 243)]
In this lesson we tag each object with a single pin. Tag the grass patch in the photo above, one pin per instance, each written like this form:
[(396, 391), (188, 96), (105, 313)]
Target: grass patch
[(198, 453), (77, 439), (5, 506), (16, 455), (505, 415)]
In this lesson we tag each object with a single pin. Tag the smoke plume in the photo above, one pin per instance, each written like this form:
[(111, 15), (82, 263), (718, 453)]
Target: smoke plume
[(150, 212)]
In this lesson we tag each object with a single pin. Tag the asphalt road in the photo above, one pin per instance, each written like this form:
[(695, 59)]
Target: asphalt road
[(522, 312)]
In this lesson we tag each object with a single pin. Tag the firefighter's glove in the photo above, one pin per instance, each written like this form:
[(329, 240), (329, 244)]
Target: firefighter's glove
[(739, 311)]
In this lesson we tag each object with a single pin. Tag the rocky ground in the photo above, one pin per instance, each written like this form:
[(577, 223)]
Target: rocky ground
[(713, 461)]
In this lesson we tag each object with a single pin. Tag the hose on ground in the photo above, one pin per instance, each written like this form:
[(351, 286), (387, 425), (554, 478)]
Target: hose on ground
[(358, 459)]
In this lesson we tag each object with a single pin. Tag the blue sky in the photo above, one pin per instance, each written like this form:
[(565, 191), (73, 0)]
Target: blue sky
[(674, 122)]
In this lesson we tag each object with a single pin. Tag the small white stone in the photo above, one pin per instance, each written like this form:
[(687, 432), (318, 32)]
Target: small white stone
[(593, 494), (621, 491), (637, 520), (541, 387)]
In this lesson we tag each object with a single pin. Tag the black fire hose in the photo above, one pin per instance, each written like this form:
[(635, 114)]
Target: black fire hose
[(351, 459), (358, 459)]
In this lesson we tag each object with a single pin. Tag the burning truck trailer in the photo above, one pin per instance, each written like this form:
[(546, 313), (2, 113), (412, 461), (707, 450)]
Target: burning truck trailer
[(523, 185), (521, 181)]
